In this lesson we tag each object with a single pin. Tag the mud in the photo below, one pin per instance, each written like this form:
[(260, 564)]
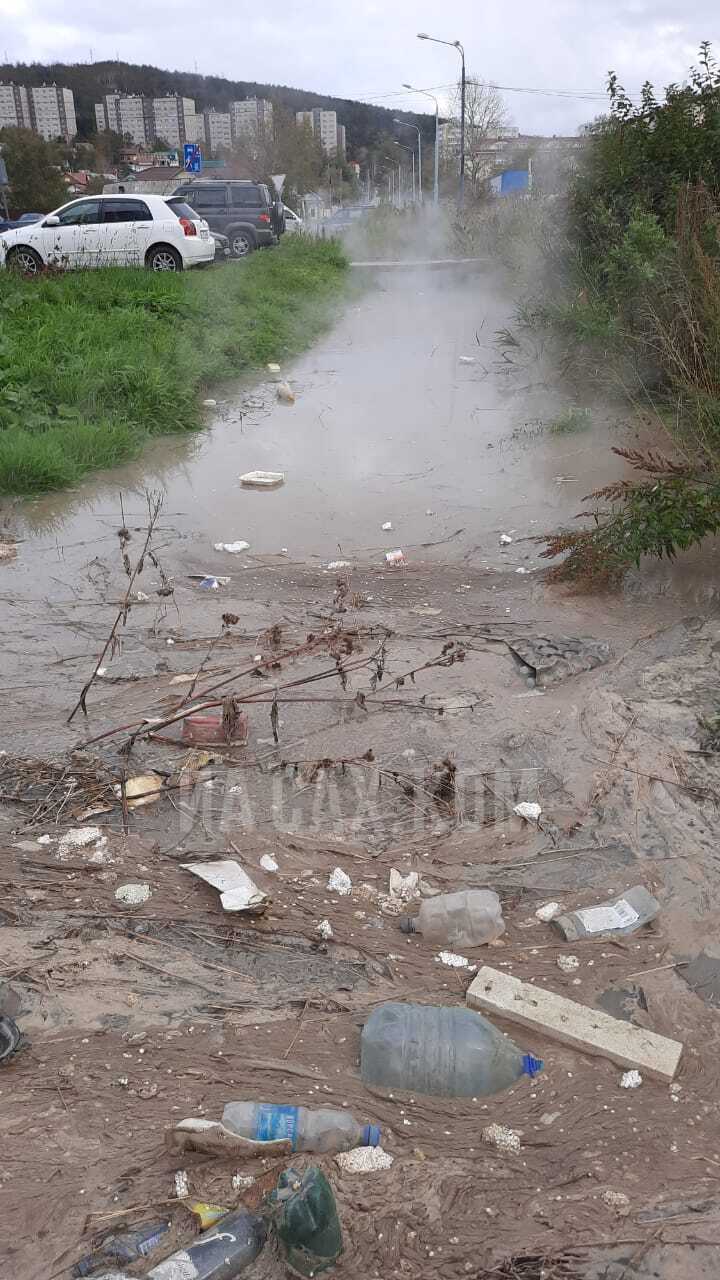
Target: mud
[(140, 1017)]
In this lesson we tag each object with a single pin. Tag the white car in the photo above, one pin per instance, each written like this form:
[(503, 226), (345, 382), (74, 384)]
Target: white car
[(105, 231), (292, 221)]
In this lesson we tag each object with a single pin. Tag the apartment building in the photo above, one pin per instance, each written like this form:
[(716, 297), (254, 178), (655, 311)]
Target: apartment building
[(128, 114), (52, 111), (341, 142), (14, 107), (325, 127), (176, 121), (217, 130), (251, 117)]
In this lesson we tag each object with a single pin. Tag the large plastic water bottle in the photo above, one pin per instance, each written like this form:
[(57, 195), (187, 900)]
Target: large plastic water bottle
[(454, 1053), (466, 919), (322, 1130)]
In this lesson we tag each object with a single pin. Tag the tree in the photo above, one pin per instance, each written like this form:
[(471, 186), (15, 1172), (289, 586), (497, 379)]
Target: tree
[(36, 183), (485, 116)]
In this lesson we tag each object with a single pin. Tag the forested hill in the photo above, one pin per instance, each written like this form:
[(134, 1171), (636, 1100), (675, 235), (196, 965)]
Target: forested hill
[(89, 81)]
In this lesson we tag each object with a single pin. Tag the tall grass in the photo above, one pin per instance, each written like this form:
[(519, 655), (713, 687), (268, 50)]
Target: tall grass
[(92, 364)]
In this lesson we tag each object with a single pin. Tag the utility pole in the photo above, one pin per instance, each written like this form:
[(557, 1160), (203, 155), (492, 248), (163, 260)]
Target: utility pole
[(455, 44), (436, 175), (406, 125)]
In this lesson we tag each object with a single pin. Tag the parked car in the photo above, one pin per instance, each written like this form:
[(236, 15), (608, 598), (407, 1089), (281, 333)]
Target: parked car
[(222, 246), (101, 231), (293, 222), (9, 224), (243, 211)]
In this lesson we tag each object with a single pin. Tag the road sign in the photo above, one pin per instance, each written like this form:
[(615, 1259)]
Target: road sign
[(279, 180), (192, 158)]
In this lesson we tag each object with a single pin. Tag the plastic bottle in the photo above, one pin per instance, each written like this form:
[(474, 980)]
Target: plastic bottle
[(634, 908), (322, 1130), (307, 1221), (467, 919), (454, 1053), (218, 1254), (123, 1246)]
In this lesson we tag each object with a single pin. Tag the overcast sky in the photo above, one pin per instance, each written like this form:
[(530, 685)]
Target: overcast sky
[(366, 49)]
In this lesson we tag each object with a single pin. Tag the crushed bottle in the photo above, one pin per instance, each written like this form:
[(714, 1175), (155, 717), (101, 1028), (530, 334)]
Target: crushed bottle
[(468, 919), (123, 1247), (453, 1053)]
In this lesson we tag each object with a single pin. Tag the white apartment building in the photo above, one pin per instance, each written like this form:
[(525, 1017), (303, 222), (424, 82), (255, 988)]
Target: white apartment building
[(175, 120), (251, 117), (324, 125), (52, 112), (14, 107), (217, 129)]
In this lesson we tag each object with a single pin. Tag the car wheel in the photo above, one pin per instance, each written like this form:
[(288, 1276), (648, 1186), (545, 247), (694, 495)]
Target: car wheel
[(241, 244), (24, 260), (163, 258)]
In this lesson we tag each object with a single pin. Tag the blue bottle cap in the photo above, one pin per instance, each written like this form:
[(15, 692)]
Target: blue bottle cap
[(532, 1066), (371, 1136)]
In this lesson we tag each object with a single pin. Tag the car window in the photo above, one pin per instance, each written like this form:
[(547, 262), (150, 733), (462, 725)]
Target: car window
[(126, 211), (87, 211), (181, 209), (246, 197), (208, 198)]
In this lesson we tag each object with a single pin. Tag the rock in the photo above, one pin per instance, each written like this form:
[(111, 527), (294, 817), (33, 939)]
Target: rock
[(364, 1160), (325, 930), (630, 1080), (501, 1137), (340, 882), (548, 911), (133, 895), (528, 810)]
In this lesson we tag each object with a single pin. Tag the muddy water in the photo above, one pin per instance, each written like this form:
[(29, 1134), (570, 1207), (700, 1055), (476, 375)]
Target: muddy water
[(389, 424)]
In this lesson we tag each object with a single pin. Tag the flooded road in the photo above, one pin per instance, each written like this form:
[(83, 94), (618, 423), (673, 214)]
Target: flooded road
[(408, 411)]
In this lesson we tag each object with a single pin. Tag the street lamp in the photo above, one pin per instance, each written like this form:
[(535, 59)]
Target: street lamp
[(411, 152), (391, 160), (437, 137), (406, 125), (455, 44)]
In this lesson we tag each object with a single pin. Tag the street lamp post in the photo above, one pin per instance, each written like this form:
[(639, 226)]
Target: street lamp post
[(455, 44), (436, 175), (396, 187), (406, 125), (411, 152)]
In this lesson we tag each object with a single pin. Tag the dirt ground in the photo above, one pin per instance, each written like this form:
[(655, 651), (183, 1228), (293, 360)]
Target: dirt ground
[(140, 1016)]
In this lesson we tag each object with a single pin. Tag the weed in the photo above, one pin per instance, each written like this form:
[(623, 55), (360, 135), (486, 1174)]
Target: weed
[(92, 364), (570, 420)]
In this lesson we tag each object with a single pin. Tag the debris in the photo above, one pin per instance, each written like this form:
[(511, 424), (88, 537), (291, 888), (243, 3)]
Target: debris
[(618, 1201), (455, 961), (133, 895), (470, 918), (551, 659), (501, 1137), (182, 1189), (452, 1053), (210, 584), (237, 891), (224, 1250), (325, 930), (340, 882), (123, 1247), (702, 974), (214, 727), (252, 404), (387, 526), (268, 863), (528, 810), (11, 1039), (620, 916), (466, 360), (141, 598), (521, 570), (340, 564), (8, 551), (214, 1138), (364, 1160), (395, 557), (241, 1181), (273, 368), (207, 1214), (306, 1129), (570, 1023), (77, 838), (568, 964), (263, 479), (233, 547), (403, 887), (426, 611), (630, 1080), (209, 404), (548, 911), (144, 789), (505, 539), (285, 393), (307, 1221)]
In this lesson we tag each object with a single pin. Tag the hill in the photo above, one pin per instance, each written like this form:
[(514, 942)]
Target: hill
[(365, 123)]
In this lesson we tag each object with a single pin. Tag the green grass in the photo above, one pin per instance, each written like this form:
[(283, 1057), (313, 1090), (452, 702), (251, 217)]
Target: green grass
[(93, 364), (570, 420)]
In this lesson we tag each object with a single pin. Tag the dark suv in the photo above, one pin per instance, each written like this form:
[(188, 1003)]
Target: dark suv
[(242, 211)]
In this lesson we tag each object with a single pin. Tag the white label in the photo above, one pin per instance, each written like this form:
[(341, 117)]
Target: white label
[(601, 919)]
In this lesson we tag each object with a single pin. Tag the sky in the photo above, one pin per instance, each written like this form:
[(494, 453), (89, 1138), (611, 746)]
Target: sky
[(367, 49)]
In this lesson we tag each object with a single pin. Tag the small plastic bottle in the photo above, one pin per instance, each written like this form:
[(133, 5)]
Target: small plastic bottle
[(322, 1130), (218, 1254), (454, 1053), (123, 1246), (467, 919)]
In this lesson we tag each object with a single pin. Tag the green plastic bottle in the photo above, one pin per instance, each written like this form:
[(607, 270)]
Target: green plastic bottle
[(307, 1221)]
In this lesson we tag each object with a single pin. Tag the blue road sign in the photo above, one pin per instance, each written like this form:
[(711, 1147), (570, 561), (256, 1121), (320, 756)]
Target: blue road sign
[(192, 157)]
